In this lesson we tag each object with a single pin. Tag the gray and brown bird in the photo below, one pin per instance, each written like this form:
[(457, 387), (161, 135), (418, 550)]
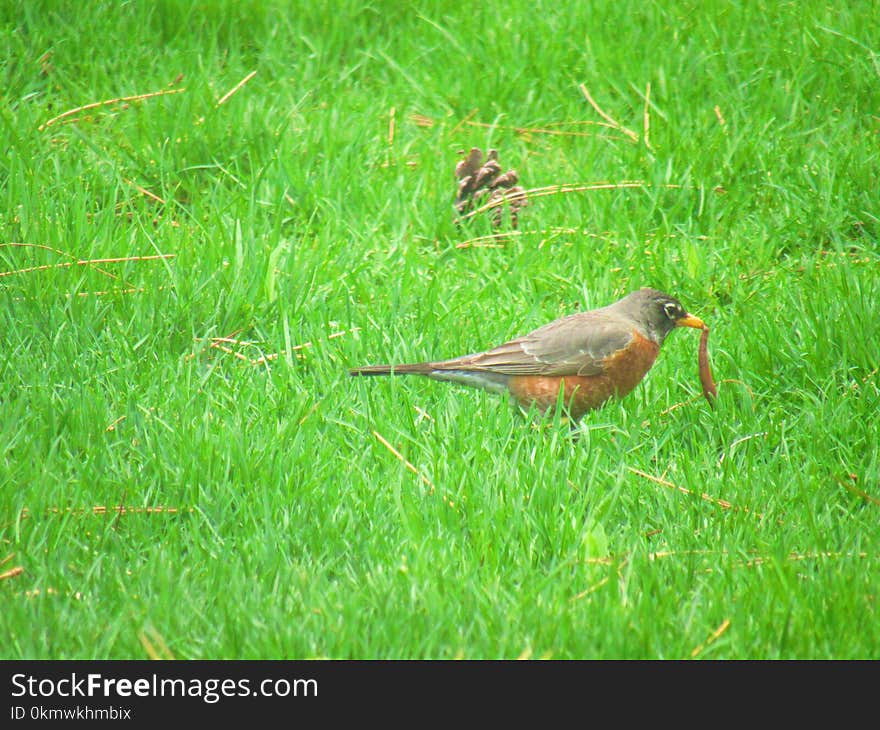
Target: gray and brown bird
[(587, 357)]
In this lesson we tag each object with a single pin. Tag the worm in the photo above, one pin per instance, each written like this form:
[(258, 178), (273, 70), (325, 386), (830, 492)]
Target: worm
[(709, 389)]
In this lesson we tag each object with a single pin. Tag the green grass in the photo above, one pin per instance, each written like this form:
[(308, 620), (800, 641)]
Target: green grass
[(287, 216)]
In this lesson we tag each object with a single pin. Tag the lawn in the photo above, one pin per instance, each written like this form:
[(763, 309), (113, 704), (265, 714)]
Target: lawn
[(210, 211)]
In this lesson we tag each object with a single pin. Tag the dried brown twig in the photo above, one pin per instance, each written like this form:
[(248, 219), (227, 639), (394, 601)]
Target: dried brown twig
[(607, 117), (89, 262), (234, 89), (723, 503), (125, 101), (116, 509), (722, 627), (12, 572), (855, 490), (223, 344), (404, 461), (482, 185)]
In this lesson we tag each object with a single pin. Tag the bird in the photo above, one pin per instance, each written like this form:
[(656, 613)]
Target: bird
[(579, 361)]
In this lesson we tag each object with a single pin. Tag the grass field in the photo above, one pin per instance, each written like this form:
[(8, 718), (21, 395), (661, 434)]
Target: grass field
[(186, 277)]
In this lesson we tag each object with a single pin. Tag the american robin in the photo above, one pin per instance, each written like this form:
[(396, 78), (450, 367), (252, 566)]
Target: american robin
[(589, 356)]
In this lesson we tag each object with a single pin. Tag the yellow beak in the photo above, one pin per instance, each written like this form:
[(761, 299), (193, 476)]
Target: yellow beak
[(690, 321)]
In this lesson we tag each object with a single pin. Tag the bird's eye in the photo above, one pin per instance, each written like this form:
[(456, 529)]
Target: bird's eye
[(672, 310)]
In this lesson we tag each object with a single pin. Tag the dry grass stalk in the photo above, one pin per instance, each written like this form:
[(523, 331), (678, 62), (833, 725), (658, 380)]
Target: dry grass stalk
[(711, 638), (407, 464), (470, 115), (144, 191), (19, 244), (100, 509), (607, 117), (303, 346), (88, 262), (222, 344), (757, 560), (723, 503), (106, 292), (421, 120), (738, 441), (12, 573), (391, 126), (647, 117), (673, 407), (592, 589), (116, 422), (109, 102), (798, 557), (858, 492), (660, 554), (563, 188), (234, 89), (158, 651), (544, 130), (492, 240)]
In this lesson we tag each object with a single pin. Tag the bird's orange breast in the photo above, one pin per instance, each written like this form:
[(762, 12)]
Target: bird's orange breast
[(622, 372)]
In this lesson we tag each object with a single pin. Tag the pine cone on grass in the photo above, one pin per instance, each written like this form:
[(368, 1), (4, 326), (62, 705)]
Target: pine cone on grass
[(482, 183)]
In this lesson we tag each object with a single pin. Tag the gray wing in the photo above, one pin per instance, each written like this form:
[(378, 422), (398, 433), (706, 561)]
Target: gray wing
[(575, 345)]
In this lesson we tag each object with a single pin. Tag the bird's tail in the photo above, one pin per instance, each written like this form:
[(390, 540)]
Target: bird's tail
[(445, 370), (419, 368)]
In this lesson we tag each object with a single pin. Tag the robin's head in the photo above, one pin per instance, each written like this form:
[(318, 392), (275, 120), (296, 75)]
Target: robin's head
[(658, 313)]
